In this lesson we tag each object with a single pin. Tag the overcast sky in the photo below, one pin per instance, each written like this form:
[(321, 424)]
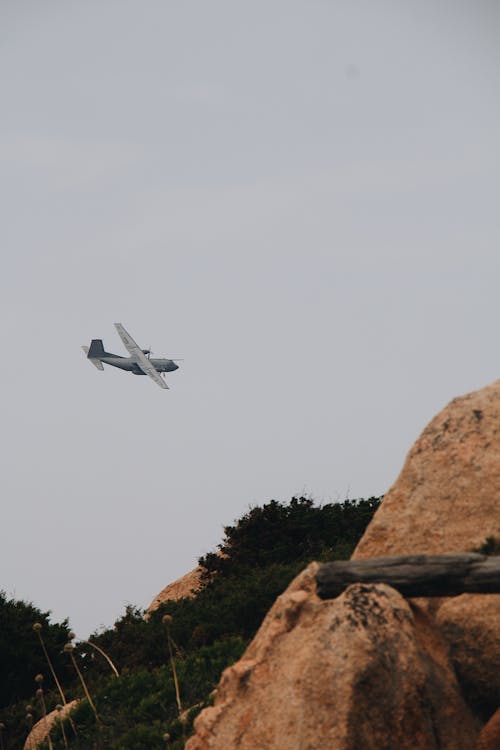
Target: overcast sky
[(300, 197)]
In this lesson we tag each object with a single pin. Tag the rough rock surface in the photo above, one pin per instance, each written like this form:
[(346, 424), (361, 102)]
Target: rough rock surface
[(45, 726), (182, 587), (447, 497), (365, 670), (471, 625), (489, 739)]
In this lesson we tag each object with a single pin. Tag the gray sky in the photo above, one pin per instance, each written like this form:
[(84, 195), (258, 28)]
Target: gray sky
[(300, 198)]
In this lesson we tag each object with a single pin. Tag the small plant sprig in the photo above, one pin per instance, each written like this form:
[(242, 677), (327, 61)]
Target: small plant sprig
[(490, 547), (40, 695), (29, 716)]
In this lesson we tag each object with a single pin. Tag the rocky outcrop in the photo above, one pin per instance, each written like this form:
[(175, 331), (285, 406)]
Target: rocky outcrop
[(370, 669), (47, 725), (183, 587), (365, 670), (447, 497)]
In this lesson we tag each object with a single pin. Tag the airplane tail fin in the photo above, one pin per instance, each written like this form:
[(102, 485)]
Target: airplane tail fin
[(95, 351)]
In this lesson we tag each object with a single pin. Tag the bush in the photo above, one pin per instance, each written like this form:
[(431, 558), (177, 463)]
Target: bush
[(285, 533), (21, 655)]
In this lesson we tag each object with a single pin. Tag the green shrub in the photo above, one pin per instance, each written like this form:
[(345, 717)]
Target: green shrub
[(21, 656), (285, 533)]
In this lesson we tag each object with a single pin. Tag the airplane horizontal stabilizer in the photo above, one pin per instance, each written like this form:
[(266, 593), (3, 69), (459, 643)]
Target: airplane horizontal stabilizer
[(95, 362)]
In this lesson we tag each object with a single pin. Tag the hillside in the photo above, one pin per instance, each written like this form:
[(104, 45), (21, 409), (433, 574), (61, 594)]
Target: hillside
[(258, 557)]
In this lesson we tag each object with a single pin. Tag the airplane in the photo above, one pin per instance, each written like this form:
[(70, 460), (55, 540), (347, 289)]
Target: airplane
[(139, 362)]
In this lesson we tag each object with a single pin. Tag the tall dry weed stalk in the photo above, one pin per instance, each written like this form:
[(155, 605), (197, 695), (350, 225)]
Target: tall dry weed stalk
[(68, 649), (37, 627), (167, 620), (59, 710), (103, 653), (40, 695)]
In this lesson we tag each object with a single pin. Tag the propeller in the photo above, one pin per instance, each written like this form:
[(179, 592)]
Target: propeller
[(149, 353)]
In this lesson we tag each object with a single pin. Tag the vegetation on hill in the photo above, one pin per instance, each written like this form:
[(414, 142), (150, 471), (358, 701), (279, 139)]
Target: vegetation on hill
[(21, 657), (170, 663)]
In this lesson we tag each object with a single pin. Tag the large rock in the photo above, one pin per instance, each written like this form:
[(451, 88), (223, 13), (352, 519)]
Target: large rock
[(48, 725), (184, 587), (364, 670), (471, 625), (447, 499)]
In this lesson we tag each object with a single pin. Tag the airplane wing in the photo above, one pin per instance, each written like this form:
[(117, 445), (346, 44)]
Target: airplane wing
[(149, 369), (136, 352)]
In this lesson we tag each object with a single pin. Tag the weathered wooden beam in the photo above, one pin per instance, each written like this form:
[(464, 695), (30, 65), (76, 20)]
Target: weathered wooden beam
[(415, 575)]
